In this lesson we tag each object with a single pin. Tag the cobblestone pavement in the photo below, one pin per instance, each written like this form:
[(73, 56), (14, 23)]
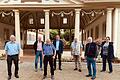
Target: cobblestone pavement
[(27, 72)]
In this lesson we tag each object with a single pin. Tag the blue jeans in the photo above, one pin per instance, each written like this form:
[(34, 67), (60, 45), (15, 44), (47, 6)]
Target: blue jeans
[(38, 54), (93, 62)]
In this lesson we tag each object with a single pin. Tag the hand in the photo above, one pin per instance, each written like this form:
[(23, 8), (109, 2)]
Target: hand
[(54, 57), (95, 59)]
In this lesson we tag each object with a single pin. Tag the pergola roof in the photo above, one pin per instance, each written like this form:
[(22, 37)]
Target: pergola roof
[(36, 9)]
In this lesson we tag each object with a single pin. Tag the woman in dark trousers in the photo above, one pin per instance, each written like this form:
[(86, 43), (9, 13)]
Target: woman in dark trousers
[(107, 53)]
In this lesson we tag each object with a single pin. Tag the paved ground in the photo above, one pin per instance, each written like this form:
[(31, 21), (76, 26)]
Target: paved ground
[(27, 72)]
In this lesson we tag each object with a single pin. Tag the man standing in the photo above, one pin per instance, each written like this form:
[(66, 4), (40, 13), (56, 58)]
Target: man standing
[(59, 50), (76, 53), (12, 52), (49, 54), (38, 47), (90, 54)]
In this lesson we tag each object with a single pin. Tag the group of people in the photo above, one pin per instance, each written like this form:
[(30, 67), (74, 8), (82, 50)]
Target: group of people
[(49, 51)]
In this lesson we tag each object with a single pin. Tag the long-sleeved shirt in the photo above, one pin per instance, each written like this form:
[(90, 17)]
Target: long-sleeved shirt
[(49, 49), (12, 48)]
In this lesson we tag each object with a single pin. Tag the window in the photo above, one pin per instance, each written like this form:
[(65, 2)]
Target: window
[(42, 21), (88, 34), (103, 29), (31, 21), (91, 32), (64, 20), (6, 34), (97, 32)]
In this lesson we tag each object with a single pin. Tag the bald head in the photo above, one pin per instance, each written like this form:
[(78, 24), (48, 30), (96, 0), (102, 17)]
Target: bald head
[(12, 38), (75, 39), (48, 41), (89, 39)]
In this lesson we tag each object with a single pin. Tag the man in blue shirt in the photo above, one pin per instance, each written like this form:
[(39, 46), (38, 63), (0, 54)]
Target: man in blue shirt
[(59, 50), (49, 53), (12, 52)]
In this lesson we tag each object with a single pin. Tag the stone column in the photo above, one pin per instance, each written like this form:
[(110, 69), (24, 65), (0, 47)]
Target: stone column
[(116, 32), (47, 32), (109, 22), (77, 23), (17, 29)]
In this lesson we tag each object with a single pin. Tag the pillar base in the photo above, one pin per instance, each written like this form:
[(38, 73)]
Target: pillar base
[(2, 52)]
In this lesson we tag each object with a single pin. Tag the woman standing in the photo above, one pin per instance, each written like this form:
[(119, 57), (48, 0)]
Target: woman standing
[(107, 53)]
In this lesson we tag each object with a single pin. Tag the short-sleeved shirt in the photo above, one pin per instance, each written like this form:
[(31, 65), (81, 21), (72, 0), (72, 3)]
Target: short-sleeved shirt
[(48, 49), (76, 48), (12, 48)]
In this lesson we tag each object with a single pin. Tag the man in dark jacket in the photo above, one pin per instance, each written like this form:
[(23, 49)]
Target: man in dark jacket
[(91, 55), (107, 53), (38, 47), (59, 50)]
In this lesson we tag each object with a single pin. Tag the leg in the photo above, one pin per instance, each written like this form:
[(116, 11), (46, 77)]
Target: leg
[(59, 57), (41, 60), (79, 62), (16, 60), (9, 64), (89, 66), (75, 59), (36, 59), (51, 65), (45, 65), (55, 61), (104, 63), (110, 65), (94, 68)]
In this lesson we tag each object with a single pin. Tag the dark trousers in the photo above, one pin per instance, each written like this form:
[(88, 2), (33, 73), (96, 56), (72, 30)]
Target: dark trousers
[(59, 58), (91, 61), (109, 63), (14, 58), (50, 60)]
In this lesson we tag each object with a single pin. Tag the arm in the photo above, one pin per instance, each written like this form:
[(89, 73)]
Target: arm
[(54, 51), (86, 50), (6, 48)]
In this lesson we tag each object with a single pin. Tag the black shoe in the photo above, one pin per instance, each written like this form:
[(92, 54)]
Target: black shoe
[(75, 69), (17, 76), (54, 69), (93, 77), (110, 71), (80, 70), (44, 77), (88, 75), (60, 69), (9, 77), (102, 71)]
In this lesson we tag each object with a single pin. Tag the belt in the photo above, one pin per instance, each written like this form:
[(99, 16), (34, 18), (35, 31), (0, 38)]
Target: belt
[(13, 55)]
